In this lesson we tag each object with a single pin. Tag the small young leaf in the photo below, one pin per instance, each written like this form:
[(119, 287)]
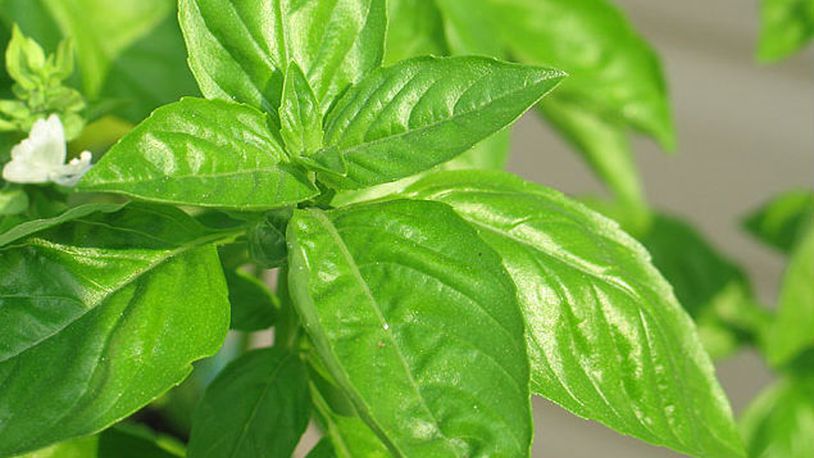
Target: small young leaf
[(25, 59), (786, 26), (258, 406), (430, 349), (267, 239), (779, 222), (300, 115), (409, 117), (115, 307), (202, 152), (606, 338), (793, 329), (780, 422)]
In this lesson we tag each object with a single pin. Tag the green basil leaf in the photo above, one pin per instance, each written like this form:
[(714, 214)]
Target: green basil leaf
[(613, 71), (150, 72), (491, 153), (780, 422), (49, 284), (253, 305), (100, 317), (786, 26), (605, 147), (238, 50), (346, 434), (432, 352), (710, 287), (121, 441), (83, 447), (136, 441), (469, 29), (13, 201), (409, 117), (607, 339), (323, 449), (103, 30), (33, 226), (778, 223), (300, 116), (257, 406), (414, 28), (793, 328), (202, 152)]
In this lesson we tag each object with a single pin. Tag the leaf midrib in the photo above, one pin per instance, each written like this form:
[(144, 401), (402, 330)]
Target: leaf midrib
[(345, 252)]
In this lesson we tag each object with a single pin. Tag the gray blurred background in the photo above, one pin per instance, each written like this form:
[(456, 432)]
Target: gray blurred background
[(745, 133)]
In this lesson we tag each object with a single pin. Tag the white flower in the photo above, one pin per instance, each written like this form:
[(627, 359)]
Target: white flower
[(40, 158)]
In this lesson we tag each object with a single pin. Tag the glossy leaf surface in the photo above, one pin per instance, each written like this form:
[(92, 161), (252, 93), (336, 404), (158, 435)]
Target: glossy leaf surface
[(417, 321), (606, 338), (202, 152), (300, 115), (409, 117), (115, 307), (786, 26), (780, 221), (258, 406), (780, 422), (793, 328), (239, 49)]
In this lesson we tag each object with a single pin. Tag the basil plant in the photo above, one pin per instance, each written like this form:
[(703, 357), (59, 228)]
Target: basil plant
[(410, 320)]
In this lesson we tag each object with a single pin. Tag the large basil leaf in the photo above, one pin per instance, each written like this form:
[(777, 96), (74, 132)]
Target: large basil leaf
[(793, 329), (100, 316), (258, 406), (786, 26), (202, 152), (615, 80), (712, 289), (239, 49), (417, 321), (779, 222), (406, 118), (780, 422), (606, 338)]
